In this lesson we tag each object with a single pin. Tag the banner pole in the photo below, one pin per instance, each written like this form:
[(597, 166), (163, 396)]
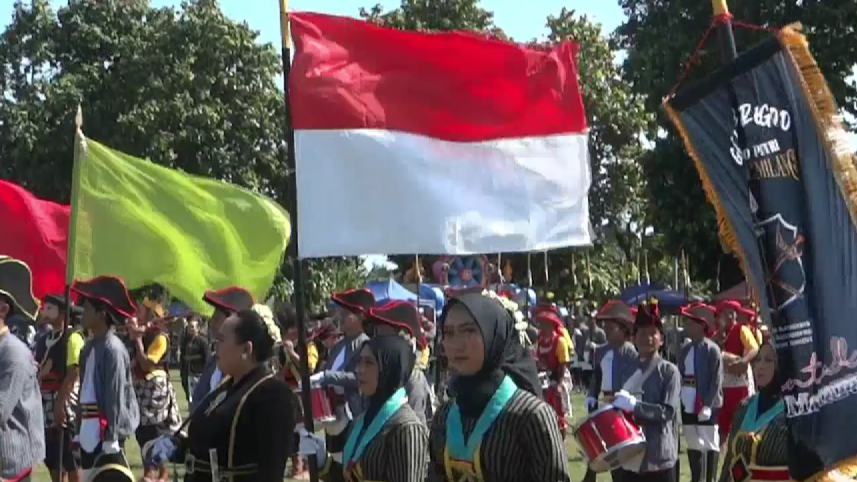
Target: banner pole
[(294, 252), (725, 37)]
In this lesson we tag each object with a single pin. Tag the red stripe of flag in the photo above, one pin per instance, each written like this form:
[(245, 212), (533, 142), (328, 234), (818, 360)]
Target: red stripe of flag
[(351, 74), (35, 231)]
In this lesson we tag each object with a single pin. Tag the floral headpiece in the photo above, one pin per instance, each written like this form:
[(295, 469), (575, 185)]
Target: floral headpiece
[(264, 312), (521, 324)]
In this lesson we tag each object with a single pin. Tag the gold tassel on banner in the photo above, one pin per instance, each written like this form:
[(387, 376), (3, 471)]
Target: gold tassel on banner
[(646, 263), (639, 271), (588, 270), (728, 238), (717, 283), (834, 139), (826, 115), (529, 271), (547, 271), (573, 271), (419, 272)]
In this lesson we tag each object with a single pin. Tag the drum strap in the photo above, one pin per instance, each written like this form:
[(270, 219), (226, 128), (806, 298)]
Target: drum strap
[(634, 385)]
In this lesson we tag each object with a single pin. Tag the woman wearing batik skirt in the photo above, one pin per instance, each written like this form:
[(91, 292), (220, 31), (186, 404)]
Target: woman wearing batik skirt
[(497, 428), (388, 442)]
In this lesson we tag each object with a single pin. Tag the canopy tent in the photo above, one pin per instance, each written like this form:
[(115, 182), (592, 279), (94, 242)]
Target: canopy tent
[(391, 290), (667, 298)]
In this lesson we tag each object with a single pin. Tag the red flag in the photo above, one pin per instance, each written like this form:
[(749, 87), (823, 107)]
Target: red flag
[(36, 232), (441, 142)]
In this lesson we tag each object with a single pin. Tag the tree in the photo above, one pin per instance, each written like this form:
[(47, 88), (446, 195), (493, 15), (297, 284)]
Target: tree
[(617, 117), (659, 37), (189, 89), (436, 15)]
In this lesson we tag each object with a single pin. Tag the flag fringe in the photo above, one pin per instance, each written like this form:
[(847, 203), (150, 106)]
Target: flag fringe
[(842, 163), (728, 238), (826, 115)]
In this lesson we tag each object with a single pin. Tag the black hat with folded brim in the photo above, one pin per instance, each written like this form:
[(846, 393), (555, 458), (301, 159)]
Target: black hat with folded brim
[(648, 314), (110, 291), (61, 302), (357, 300), (616, 311), (231, 299), (16, 284), (111, 468), (400, 315)]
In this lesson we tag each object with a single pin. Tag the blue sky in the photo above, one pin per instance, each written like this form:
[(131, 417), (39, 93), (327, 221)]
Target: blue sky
[(521, 20)]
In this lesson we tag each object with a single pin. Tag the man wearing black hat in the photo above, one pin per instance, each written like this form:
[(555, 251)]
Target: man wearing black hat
[(109, 413), (22, 426), (226, 302), (652, 395), (58, 355), (338, 372), (401, 318)]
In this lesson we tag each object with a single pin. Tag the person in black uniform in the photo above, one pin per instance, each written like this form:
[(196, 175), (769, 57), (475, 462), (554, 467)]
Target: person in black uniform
[(497, 428), (388, 443), (242, 430), (58, 355)]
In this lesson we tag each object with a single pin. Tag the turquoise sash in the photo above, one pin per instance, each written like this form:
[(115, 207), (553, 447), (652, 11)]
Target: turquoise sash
[(350, 454), (753, 423), (455, 443)]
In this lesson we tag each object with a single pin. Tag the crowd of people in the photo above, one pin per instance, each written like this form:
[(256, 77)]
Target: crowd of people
[(75, 399)]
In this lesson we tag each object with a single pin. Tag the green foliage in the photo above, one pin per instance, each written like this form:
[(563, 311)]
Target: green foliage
[(659, 37), (436, 15), (187, 88)]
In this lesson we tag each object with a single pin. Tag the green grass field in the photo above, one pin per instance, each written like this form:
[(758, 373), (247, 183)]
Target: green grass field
[(578, 468)]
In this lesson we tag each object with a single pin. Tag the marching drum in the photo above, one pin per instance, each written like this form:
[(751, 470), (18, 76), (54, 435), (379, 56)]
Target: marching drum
[(322, 409), (608, 438)]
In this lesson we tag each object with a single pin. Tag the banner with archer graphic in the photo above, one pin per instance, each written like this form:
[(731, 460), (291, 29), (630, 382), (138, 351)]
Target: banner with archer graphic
[(767, 141)]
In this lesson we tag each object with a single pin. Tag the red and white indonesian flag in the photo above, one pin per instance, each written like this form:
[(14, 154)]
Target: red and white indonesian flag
[(434, 143)]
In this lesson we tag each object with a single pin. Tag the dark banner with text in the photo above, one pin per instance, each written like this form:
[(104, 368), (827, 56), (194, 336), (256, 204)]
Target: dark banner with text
[(766, 138)]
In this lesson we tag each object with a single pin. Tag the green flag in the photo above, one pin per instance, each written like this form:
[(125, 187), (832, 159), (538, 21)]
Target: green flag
[(149, 224)]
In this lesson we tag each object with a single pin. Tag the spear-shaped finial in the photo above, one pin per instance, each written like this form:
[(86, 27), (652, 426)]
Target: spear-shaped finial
[(78, 118), (720, 7), (285, 31)]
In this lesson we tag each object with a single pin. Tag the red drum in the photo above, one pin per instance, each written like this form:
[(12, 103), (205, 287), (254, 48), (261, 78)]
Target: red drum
[(608, 438), (322, 409)]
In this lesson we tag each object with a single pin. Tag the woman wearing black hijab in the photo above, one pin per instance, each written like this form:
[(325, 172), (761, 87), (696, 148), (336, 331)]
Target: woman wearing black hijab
[(758, 447), (497, 429), (388, 442)]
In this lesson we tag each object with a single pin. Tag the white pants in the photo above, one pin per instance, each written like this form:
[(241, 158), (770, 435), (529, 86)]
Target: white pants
[(702, 438)]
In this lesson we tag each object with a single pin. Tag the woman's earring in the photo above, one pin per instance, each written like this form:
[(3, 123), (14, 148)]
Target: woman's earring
[(243, 356)]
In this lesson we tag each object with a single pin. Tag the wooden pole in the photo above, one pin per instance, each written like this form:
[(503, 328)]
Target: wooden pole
[(294, 251)]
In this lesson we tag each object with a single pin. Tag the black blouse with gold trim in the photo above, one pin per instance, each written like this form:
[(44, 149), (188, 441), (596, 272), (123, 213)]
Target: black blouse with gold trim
[(523, 443), (250, 424), (757, 449), (399, 453)]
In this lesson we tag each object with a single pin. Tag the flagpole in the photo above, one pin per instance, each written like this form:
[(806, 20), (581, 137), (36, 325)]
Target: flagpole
[(725, 37), (78, 130), (294, 253)]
